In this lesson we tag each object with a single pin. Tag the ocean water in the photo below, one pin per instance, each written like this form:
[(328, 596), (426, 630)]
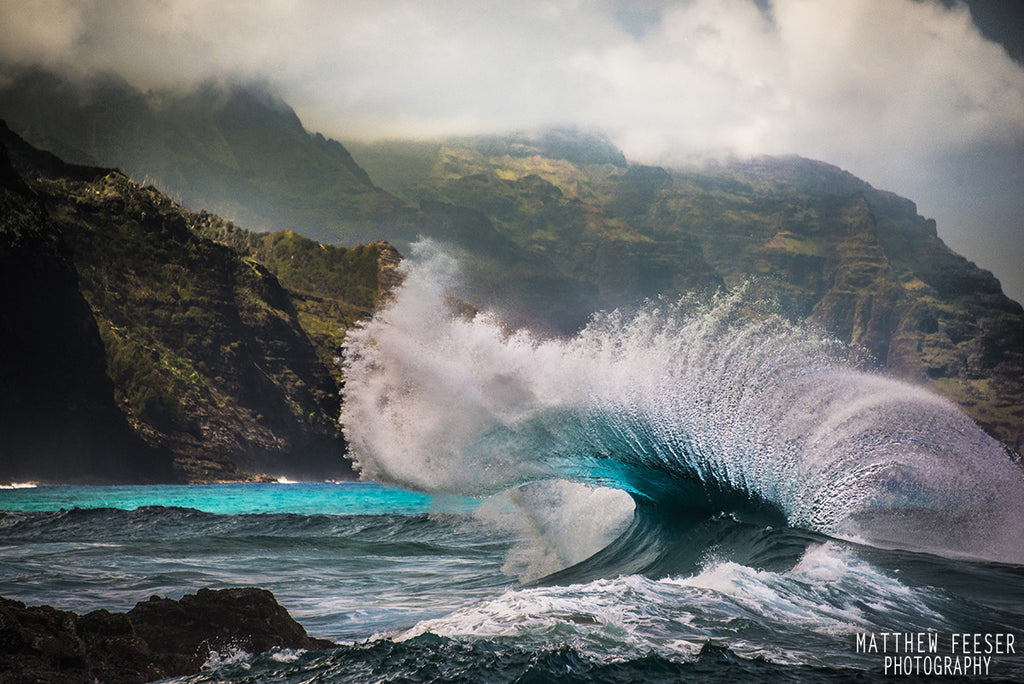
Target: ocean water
[(348, 560), (695, 491)]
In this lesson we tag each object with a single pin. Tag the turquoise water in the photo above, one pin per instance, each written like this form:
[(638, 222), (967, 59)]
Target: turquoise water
[(328, 498)]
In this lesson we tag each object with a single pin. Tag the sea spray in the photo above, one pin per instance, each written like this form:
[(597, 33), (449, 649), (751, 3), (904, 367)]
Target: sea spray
[(558, 524), (693, 408)]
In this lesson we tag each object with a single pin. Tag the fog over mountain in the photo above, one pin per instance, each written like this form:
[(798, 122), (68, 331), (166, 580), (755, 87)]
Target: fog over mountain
[(921, 97)]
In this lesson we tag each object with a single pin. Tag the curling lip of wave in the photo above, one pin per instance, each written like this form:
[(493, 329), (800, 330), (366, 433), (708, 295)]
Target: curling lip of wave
[(690, 408)]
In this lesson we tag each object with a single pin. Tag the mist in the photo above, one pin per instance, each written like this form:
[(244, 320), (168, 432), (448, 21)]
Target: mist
[(909, 95)]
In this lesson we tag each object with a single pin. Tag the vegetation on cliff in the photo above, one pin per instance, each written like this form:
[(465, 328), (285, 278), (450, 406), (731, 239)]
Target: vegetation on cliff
[(210, 354), (57, 412), (238, 151), (829, 248)]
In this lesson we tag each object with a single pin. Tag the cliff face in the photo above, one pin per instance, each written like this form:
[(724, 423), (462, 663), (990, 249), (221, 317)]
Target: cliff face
[(57, 412), (196, 347), (863, 265)]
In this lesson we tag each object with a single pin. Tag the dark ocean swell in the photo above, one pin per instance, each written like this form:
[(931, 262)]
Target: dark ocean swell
[(430, 658), (342, 576)]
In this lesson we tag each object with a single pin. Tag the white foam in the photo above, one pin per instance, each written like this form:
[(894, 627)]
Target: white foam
[(286, 655), (229, 655), (791, 617), (607, 619), (825, 592)]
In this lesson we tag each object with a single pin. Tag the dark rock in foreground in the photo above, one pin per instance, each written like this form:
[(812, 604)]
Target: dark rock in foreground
[(158, 638)]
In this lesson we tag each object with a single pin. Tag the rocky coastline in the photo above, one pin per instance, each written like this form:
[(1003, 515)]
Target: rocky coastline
[(156, 639)]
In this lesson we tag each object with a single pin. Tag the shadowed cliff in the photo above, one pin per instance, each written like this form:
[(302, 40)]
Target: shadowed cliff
[(141, 348)]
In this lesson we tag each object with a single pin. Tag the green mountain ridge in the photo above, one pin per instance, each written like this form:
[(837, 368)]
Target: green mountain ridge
[(202, 352), (858, 262), (237, 151), (553, 225)]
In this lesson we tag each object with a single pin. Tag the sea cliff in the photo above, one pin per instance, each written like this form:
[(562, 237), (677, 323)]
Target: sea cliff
[(152, 343)]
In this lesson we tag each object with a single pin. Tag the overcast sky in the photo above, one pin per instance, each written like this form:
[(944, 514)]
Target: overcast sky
[(910, 95)]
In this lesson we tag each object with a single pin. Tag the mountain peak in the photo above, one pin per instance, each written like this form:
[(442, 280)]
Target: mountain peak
[(230, 146), (581, 147)]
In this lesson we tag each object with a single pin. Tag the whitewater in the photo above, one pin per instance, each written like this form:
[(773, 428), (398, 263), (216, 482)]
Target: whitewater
[(694, 490)]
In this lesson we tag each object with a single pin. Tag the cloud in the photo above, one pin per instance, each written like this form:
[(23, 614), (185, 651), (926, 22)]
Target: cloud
[(801, 75), (39, 32), (825, 79), (897, 91)]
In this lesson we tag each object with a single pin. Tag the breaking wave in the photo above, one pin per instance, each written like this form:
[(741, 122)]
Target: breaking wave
[(717, 419)]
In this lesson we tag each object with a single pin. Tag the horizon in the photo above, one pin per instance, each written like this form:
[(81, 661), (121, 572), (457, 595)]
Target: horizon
[(924, 98)]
